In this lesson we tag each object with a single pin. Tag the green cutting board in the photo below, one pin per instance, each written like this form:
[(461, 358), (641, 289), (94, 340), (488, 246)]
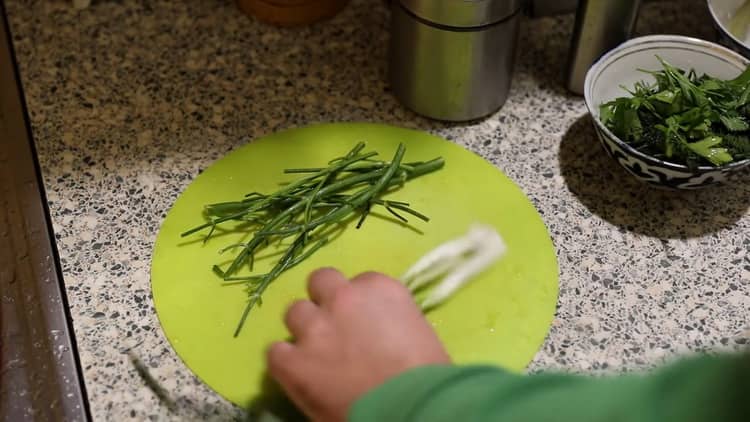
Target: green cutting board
[(502, 317)]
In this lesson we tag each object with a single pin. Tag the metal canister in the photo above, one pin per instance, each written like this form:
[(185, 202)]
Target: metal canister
[(538, 8), (600, 26), (453, 59)]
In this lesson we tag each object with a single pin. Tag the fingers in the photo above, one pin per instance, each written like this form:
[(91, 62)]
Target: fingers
[(299, 316), (287, 365), (383, 284), (370, 277), (323, 283), (380, 281), (283, 365), (281, 357)]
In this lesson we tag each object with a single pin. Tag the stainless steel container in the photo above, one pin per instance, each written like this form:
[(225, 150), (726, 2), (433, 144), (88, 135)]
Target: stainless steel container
[(600, 26), (453, 59), (537, 8)]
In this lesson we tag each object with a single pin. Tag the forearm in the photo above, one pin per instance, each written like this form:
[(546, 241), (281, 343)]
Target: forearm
[(705, 389)]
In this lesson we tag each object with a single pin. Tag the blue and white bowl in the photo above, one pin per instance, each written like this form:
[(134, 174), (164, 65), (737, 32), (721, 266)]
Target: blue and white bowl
[(618, 68)]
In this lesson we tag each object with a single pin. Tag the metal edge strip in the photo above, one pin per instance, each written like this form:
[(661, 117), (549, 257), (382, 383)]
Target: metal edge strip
[(40, 372)]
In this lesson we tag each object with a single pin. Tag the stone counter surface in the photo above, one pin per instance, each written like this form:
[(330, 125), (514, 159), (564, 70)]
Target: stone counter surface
[(129, 100)]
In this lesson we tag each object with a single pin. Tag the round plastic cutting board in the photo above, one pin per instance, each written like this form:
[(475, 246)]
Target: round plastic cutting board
[(502, 317)]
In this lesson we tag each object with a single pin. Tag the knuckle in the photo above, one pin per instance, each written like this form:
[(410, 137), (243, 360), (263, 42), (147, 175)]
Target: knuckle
[(293, 313), (323, 275), (384, 283), (396, 288), (275, 355), (345, 298), (295, 308), (370, 277), (322, 272), (316, 327)]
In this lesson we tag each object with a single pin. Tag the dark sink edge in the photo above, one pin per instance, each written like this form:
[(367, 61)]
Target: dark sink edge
[(40, 371)]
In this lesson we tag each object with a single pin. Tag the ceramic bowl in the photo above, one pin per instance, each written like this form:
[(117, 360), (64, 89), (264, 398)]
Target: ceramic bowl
[(722, 12), (618, 68)]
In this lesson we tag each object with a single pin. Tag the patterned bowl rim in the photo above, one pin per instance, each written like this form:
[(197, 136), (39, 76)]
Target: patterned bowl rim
[(628, 47), (723, 29)]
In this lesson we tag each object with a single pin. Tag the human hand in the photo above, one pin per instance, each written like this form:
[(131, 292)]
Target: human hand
[(349, 338)]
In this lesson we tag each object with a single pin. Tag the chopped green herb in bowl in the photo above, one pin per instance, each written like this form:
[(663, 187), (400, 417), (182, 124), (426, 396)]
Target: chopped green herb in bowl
[(684, 124), (684, 118)]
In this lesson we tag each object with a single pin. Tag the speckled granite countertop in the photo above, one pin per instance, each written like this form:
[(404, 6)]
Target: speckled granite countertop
[(129, 100)]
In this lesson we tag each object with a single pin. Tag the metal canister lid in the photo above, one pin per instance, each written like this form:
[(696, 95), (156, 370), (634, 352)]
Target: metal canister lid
[(462, 13)]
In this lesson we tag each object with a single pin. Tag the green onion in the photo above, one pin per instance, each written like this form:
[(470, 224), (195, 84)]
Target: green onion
[(309, 210)]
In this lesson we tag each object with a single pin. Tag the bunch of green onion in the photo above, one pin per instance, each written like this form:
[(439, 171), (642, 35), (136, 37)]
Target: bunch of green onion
[(309, 210)]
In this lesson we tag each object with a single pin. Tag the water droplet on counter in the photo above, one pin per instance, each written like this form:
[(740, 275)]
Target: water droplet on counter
[(61, 352), (55, 334), (12, 364)]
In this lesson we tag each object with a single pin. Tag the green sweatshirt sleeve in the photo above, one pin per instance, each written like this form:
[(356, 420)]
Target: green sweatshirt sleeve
[(696, 390)]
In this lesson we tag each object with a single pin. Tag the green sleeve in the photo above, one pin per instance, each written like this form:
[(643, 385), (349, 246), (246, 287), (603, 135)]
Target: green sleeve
[(702, 389)]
